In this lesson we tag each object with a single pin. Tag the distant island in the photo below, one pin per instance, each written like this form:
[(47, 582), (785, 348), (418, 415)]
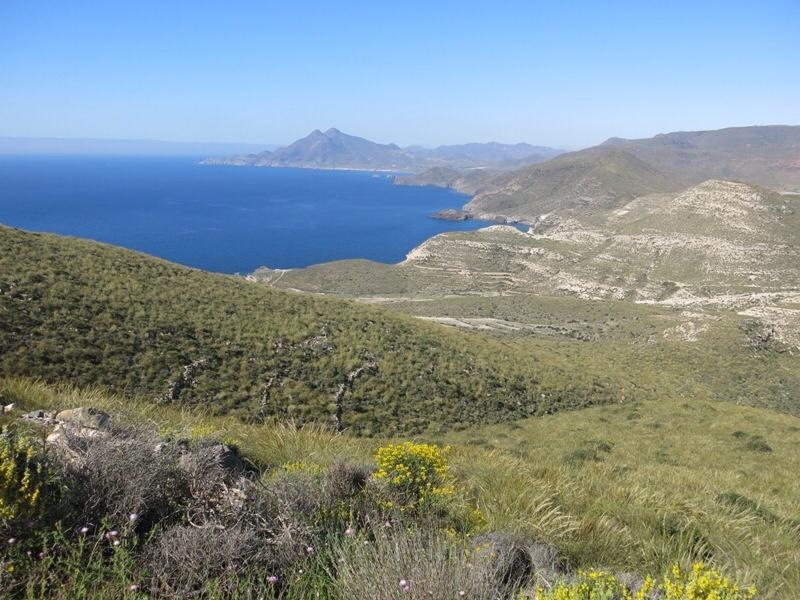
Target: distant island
[(333, 149)]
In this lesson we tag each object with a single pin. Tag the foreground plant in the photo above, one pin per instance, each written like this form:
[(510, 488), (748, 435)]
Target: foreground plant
[(701, 582), (23, 476)]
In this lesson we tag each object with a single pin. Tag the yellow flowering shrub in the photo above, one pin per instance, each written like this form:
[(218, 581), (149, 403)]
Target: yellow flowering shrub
[(22, 477), (702, 583), (594, 585), (413, 473)]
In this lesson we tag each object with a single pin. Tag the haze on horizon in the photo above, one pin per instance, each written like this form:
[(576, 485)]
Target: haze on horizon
[(454, 72)]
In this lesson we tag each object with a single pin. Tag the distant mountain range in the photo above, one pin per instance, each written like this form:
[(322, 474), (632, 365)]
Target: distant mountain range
[(619, 170), (333, 149)]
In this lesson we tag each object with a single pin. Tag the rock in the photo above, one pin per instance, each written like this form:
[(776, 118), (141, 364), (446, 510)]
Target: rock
[(84, 417), (518, 559), (219, 455), (39, 415), (10, 407), (75, 427)]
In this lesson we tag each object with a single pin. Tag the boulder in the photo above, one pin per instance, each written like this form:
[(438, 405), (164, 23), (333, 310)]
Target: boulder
[(517, 559), (74, 428), (85, 417)]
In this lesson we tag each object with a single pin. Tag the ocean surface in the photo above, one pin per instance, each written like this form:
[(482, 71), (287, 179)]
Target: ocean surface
[(220, 218)]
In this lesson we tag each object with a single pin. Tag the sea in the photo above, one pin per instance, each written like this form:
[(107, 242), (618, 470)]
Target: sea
[(223, 218)]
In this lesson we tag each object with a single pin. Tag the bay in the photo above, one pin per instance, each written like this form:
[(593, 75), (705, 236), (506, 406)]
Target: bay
[(223, 218)]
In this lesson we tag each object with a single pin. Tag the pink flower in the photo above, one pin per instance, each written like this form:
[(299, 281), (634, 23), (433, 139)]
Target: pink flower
[(12, 540), (309, 549), (84, 529), (272, 579), (116, 542), (132, 517), (133, 587), (349, 531)]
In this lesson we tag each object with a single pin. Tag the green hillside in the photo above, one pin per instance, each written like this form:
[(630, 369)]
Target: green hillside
[(89, 313)]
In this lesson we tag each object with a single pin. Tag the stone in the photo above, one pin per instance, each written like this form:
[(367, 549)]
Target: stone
[(10, 407), (85, 417)]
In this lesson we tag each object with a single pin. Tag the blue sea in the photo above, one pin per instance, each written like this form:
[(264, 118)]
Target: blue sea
[(220, 218)]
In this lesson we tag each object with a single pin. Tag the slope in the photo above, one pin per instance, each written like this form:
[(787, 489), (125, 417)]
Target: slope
[(572, 183), (90, 313)]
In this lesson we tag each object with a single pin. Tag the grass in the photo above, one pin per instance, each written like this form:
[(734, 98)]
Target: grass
[(674, 483), (87, 313)]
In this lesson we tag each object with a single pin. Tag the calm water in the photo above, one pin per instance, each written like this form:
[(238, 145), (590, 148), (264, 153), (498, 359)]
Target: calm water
[(227, 219)]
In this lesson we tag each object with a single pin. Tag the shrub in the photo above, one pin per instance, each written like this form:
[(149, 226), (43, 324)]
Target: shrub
[(23, 476), (413, 474), (131, 472), (702, 583), (396, 563), (699, 583), (184, 558), (593, 585)]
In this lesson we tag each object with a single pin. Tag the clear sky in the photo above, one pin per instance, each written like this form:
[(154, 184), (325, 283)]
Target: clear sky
[(556, 73)]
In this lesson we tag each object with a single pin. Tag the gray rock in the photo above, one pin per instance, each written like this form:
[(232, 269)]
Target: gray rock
[(37, 414), (517, 559), (85, 417), (218, 455)]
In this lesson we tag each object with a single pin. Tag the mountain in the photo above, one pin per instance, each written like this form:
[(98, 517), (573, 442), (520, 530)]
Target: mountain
[(466, 181), (333, 149), (574, 182), (619, 169), (491, 154), (766, 155)]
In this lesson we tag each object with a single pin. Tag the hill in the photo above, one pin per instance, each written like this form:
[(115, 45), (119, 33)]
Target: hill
[(766, 155), (571, 183), (89, 313), (699, 286), (333, 149), (619, 170)]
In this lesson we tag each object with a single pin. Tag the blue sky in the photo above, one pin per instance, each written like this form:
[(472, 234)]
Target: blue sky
[(567, 74)]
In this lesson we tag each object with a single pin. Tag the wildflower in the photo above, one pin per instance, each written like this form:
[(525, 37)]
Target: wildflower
[(309, 549), (132, 517), (349, 531), (84, 529), (12, 540), (272, 579), (116, 542), (387, 523), (405, 585), (461, 593), (133, 587), (10, 568), (41, 554)]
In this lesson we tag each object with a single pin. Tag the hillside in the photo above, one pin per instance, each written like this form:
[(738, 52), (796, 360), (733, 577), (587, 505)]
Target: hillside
[(619, 170), (765, 155), (700, 287), (89, 313), (572, 183)]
